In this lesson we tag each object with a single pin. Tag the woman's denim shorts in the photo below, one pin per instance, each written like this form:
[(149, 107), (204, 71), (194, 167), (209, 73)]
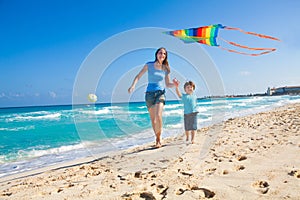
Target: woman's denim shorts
[(155, 97)]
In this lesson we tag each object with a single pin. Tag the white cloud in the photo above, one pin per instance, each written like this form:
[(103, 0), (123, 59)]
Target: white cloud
[(245, 73), (16, 95), (2, 95), (52, 94)]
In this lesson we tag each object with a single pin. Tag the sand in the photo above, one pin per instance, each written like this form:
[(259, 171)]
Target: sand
[(252, 157)]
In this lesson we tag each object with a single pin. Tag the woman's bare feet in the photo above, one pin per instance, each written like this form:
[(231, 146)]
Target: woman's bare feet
[(158, 144)]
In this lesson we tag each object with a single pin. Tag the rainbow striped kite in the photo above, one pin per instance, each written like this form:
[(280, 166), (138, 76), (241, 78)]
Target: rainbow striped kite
[(208, 35)]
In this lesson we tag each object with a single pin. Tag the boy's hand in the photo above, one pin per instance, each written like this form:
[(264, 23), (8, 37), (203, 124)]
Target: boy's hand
[(176, 82)]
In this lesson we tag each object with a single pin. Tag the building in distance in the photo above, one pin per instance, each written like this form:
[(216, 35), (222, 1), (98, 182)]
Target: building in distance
[(287, 90)]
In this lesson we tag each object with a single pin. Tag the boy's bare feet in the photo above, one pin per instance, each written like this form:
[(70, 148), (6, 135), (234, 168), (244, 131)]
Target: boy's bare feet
[(193, 136)]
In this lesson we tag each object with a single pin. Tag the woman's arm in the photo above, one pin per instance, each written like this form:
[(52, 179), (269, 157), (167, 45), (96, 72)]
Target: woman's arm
[(137, 78), (169, 84)]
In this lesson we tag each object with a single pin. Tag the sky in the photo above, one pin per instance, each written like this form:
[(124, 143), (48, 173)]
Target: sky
[(45, 44)]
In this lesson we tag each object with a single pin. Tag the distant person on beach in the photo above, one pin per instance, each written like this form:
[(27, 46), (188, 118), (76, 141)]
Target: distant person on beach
[(158, 73), (189, 100)]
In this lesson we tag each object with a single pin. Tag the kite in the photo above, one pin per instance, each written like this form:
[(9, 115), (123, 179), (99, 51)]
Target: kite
[(208, 35)]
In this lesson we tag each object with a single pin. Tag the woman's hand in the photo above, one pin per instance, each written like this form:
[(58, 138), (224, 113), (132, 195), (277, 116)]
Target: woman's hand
[(137, 77), (130, 89), (176, 82)]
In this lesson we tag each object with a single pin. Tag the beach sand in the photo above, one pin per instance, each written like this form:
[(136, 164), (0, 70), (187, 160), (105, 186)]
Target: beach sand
[(252, 157)]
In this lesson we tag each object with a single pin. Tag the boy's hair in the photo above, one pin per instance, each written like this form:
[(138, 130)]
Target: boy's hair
[(191, 83)]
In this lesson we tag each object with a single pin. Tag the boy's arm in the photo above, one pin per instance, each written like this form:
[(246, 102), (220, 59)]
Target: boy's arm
[(178, 92), (176, 83)]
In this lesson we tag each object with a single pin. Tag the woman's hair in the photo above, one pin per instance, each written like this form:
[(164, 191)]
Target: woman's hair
[(191, 83), (165, 63)]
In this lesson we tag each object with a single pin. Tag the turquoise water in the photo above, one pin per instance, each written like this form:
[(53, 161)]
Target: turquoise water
[(34, 137)]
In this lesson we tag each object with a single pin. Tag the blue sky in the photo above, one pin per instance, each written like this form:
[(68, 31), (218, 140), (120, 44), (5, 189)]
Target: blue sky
[(44, 43)]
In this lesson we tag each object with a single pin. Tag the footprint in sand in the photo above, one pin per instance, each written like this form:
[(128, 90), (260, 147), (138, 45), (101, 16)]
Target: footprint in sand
[(138, 174), (210, 170), (261, 186), (239, 167), (147, 195), (162, 190), (197, 191), (225, 171), (295, 173), (241, 157), (6, 193)]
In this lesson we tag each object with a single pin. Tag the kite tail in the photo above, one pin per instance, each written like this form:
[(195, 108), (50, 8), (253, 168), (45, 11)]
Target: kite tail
[(252, 33), (248, 54), (265, 50)]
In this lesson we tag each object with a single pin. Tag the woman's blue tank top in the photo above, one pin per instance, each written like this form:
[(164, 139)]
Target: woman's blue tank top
[(155, 78)]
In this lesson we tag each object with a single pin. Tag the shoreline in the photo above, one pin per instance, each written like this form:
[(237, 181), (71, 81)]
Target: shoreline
[(250, 157), (92, 157), (40, 158)]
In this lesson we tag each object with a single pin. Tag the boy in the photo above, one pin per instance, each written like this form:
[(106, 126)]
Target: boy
[(189, 100)]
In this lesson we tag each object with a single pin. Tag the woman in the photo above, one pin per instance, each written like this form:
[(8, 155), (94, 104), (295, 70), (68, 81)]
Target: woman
[(158, 71)]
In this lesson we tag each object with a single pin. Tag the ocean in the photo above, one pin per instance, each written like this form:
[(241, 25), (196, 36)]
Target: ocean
[(41, 136)]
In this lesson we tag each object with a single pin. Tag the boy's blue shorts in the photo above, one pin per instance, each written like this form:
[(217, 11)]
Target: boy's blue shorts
[(190, 121)]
